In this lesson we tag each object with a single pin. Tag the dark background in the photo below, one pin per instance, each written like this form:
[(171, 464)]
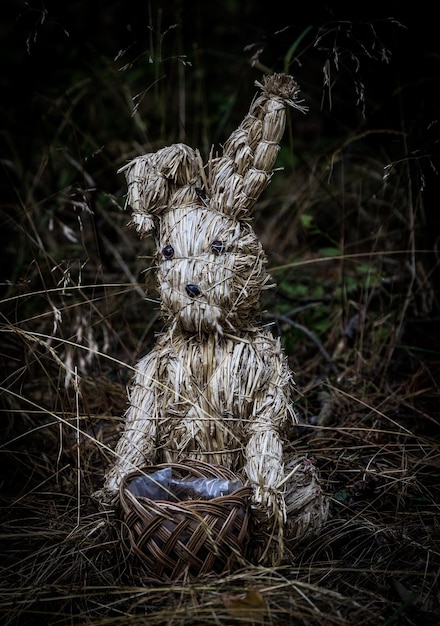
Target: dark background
[(45, 46), (48, 49)]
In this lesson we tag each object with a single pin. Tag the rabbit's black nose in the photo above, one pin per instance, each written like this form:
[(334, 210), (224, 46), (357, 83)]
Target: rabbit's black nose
[(193, 291)]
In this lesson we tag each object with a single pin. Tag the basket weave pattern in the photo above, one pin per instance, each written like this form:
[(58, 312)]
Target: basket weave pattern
[(174, 540)]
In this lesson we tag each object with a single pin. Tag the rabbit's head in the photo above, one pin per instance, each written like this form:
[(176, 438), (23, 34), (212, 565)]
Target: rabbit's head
[(210, 270), (210, 263)]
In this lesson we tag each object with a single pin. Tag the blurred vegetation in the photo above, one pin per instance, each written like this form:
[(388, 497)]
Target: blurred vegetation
[(351, 227)]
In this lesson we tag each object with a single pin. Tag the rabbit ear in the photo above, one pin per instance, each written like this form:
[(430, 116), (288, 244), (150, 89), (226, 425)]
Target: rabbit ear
[(239, 176), (155, 181)]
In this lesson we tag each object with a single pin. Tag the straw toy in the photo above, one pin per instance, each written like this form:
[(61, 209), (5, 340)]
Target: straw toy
[(216, 388)]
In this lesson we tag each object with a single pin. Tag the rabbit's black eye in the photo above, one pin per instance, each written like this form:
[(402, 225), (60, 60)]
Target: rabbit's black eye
[(168, 252), (217, 247)]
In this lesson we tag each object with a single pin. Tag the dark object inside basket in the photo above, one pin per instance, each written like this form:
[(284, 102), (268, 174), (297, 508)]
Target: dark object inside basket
[(162, 485)]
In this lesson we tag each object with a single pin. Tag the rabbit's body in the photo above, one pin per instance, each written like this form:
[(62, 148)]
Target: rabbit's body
[(211, 399)]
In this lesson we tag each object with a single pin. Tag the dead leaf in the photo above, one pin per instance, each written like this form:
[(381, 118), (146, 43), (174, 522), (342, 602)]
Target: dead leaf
[(250, 604)]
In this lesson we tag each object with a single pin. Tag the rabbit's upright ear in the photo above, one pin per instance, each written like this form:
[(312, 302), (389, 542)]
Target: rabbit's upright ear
[(154, 180), (237, 178)]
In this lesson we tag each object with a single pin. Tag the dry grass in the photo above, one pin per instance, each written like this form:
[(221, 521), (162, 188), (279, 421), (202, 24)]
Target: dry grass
[(357, 310)]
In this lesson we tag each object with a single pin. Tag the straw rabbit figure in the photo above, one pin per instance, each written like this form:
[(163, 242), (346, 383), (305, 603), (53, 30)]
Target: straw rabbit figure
[(216, 385)]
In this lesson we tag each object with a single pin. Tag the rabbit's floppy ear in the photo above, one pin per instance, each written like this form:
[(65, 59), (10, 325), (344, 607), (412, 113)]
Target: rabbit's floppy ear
[(239, 176), (154, 180)]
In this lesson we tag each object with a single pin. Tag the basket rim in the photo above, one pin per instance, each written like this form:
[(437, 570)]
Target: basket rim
[(200, 469)]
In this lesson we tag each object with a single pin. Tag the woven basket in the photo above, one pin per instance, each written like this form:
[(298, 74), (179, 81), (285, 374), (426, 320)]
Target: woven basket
[(167, 541)]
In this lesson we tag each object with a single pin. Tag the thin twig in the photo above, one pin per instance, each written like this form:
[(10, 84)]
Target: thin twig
[(286, 320)]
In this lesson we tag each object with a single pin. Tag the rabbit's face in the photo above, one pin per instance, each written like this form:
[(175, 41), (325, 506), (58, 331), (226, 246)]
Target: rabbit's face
[(210, 270)]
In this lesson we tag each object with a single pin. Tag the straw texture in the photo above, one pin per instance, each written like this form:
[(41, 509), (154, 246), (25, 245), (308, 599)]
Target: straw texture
[(231, 183), (222, 258), (216, 387), (213, 401)]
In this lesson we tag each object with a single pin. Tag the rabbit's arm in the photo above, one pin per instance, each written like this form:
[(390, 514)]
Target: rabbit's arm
[(136, 445), (265, 470), (271, 417), (264, 449), (265, 467)]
